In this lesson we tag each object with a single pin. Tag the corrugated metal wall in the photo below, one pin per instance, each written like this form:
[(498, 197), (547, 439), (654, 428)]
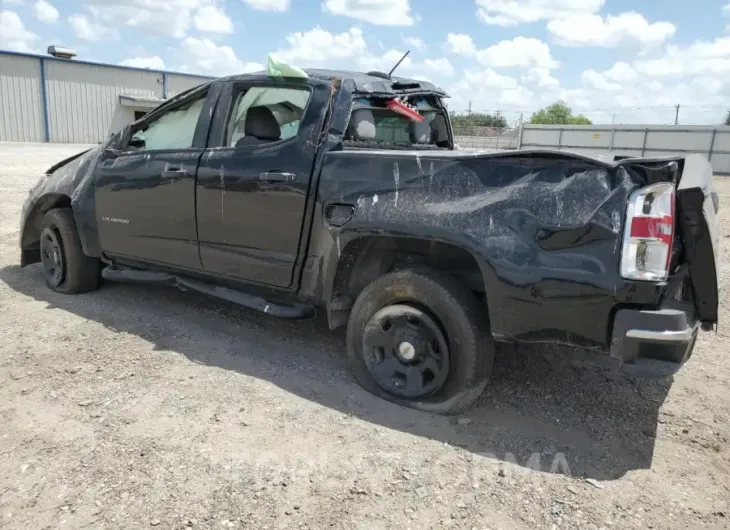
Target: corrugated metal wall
[(82, 98), (635, 140), (179, 83), (21, 103)]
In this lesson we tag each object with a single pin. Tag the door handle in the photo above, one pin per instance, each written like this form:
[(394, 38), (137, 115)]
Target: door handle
[(277, 176), (171, 173)]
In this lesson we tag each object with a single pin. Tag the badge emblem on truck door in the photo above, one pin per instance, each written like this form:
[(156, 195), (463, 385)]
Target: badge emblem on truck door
[(115, 220)]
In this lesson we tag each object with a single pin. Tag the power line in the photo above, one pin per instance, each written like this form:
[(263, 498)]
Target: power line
[(616, 110)]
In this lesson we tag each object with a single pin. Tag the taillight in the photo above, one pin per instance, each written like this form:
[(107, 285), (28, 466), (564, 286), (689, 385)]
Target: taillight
[(649, 233)]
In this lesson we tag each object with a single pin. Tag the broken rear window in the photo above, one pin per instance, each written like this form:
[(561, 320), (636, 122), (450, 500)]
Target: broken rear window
[(374, 124)]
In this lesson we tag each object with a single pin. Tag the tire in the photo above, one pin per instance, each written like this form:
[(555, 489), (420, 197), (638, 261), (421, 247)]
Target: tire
[(75, 272), (460, 316)]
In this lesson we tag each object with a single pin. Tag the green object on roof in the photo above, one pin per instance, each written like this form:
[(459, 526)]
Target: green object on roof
[(278, 68)]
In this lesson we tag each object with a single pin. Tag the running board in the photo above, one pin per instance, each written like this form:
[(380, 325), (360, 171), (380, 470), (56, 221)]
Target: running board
[(120, 274)]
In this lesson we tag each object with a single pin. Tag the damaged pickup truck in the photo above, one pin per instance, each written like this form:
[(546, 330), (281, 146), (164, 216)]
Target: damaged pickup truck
[(343, 191)]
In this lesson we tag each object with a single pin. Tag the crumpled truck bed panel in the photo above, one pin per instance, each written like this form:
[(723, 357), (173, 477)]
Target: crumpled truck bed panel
[(545, 229)]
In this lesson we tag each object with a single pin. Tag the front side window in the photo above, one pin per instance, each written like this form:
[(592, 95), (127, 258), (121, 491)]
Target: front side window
[(266, 114), (173, 130)]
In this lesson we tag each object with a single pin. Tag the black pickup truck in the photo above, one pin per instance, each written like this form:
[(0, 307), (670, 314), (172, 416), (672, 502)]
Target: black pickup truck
[(344, 191)]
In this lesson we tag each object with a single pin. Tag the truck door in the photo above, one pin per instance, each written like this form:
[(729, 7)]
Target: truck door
[(145, 194), (254, 178)]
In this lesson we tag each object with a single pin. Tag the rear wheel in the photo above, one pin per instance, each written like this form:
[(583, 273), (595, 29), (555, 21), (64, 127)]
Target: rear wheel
[(65, 266), (420, 339)]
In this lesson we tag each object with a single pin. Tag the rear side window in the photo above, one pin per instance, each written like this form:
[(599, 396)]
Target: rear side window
[(173, 130), (371, 122), (266, 114)]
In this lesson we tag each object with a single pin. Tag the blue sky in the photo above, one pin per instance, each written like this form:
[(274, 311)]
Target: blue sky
[(612, 60)]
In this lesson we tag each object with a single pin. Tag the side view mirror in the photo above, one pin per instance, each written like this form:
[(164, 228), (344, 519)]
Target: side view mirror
[(110, 152), (137, 143)]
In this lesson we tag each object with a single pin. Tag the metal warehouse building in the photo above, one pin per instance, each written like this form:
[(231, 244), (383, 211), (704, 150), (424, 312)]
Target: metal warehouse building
[(50, 99)]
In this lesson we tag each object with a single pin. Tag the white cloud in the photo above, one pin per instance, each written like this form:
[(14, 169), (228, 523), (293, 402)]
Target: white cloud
[(637, 92), (460, 44), (440, 66), (269, 5), (702, 101), (12, 2), (213, 19), (488, 78), (614, 79), (415, 43), (172, 18), (205, 56), (45, 12), (154, 62), (14, 36), (86, 29), (320, 48), (699, 58), (726, 10), (385, 62), (644, 89), (513, 12), (540, 77), (523, 52), (488, 91), (317, 46), (598, 81), (496, 20), (593, 30), (378, 12)]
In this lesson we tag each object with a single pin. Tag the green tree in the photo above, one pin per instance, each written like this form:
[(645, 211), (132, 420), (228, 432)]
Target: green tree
[(727, 118), (559, 114), (478, 119)]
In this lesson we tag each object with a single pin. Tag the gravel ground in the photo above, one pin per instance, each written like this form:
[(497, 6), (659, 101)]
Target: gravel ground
[(136, 407)]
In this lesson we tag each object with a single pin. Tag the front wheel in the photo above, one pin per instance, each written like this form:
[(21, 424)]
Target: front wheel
[(420, 339), (65, 266)]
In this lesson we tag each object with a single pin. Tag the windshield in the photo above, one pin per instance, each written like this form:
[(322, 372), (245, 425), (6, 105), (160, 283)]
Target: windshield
[(418, 122)]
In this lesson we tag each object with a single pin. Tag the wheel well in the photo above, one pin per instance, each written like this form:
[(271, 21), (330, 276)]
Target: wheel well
[(29, 245), (365, 259)]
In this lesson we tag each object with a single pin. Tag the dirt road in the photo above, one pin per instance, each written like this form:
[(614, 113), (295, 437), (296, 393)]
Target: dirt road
[(135, 407)]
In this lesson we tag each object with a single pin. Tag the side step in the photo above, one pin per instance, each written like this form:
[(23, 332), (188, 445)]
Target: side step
[(121, 274)]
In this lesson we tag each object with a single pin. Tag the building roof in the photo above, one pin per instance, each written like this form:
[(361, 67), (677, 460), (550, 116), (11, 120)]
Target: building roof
[(108, 65)]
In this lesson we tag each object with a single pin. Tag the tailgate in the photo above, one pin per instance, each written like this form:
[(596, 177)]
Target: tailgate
[(697, 211)]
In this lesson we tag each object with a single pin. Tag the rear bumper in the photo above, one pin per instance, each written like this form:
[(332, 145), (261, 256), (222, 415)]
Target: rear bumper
[(653, 344)]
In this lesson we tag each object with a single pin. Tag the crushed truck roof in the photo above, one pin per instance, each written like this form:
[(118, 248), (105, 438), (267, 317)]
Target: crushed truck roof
[(366, 82)]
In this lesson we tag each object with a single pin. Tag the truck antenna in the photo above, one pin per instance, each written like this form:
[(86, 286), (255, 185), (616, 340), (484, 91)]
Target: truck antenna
[(398, 63)]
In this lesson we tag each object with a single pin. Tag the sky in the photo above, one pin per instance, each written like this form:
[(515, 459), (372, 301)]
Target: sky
[(615, 61)]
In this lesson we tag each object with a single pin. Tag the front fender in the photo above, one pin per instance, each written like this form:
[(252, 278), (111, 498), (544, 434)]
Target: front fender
[(68, 184)]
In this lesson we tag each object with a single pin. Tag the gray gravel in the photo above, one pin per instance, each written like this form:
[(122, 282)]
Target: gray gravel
[(136, 407)]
